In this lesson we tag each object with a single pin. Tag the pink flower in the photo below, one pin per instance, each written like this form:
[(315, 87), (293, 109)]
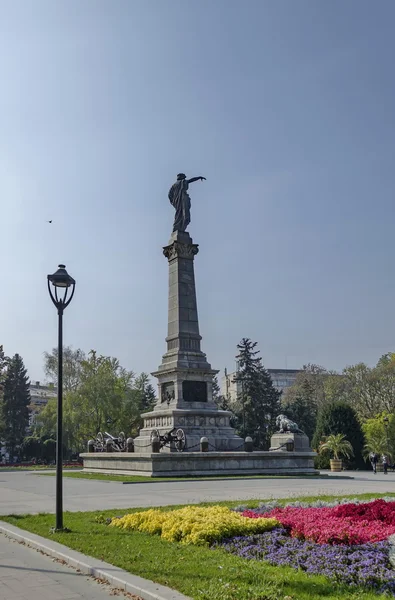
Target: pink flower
[(347, 524)]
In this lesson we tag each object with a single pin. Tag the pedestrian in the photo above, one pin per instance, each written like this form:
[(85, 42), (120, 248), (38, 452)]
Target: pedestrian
[(373, 461), (385, 465)]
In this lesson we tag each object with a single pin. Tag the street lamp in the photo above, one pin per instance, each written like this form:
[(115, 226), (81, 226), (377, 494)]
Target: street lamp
[(62, 282)]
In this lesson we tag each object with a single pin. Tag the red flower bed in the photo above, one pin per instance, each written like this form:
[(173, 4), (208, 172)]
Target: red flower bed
[(378, 510), (346, 524)]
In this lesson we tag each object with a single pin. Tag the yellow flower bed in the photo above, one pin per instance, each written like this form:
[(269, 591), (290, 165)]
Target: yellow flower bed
[(194, 525)]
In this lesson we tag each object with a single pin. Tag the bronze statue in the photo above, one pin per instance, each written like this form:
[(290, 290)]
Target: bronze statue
[(179, 198)]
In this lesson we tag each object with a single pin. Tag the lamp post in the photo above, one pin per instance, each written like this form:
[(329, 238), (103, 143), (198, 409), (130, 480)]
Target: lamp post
[(62, 282)]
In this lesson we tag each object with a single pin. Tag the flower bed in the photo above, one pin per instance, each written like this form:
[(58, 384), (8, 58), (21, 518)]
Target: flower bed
[(366, 566), (348, 542), (193, 525), (346, 524)]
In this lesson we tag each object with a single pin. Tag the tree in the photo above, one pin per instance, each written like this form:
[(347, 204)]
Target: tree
[(219, 399), (106, 397), (3, 366), (141, 399), (259, 402), (380, 435), (216, 390), (309, 385), (371, 389), (148, 397), (16, 400), (72, 367), (3, 372), (305, 397), (334, 418)]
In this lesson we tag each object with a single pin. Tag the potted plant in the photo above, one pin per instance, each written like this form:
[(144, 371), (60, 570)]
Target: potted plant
[(375, 444), (337, 446)]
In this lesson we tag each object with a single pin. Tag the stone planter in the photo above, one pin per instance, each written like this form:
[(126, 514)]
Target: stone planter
[(336, 465)]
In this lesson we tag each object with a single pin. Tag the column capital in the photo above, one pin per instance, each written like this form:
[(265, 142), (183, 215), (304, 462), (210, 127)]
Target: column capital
[(180, 250)]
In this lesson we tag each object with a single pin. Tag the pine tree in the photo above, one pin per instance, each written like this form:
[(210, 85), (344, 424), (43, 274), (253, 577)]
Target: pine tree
[(219, 398), (147, 396), (3, 372), (259, 402), (16, 400)]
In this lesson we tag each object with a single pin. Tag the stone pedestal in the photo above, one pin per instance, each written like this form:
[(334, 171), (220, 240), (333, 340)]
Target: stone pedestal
[(184, 464), (301, 442), (185, 377)]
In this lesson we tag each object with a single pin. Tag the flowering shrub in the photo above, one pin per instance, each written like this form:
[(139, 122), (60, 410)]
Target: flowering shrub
[(193, 525), (366, 566), (347, 524), (378, 510)]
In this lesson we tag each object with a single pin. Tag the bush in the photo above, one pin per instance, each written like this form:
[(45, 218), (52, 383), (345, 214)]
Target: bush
[(193, 525)]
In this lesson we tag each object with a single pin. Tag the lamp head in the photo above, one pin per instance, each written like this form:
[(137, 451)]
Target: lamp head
[(61, 278)]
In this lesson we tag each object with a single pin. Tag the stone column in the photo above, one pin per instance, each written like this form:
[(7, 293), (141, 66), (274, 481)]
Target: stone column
[(185, 377)]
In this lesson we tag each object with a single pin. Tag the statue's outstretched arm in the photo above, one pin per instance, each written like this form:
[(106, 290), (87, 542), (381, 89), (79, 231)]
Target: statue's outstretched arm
[(195, 179)]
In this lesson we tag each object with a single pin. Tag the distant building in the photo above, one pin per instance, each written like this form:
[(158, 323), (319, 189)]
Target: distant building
[(282, 379), (39, 396)]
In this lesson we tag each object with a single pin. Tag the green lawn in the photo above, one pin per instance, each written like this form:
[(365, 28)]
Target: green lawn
[(37, 468), (200, 573), (144, 479)]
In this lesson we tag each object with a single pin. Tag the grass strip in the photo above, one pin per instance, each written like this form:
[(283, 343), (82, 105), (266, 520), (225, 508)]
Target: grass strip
[(200, 573), (145, 479)]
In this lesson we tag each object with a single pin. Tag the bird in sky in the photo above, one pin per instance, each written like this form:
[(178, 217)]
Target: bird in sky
[(49, 221)]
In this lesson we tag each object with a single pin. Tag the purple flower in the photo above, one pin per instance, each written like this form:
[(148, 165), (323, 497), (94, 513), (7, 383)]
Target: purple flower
[(367, 565)]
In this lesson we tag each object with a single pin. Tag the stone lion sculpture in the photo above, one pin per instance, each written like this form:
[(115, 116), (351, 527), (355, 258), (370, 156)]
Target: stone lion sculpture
[(285, 425)]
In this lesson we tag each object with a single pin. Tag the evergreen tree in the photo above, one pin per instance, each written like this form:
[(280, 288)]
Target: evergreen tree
[(259, 402), (339, 417), (147, 396), (3, 372), (219, 398), (216, 390), (15, 405)]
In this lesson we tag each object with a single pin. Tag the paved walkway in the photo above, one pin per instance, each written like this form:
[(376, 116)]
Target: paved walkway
[(25, 574), (28, 492)]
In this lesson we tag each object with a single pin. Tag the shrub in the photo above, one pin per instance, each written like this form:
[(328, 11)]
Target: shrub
[(193, 525)]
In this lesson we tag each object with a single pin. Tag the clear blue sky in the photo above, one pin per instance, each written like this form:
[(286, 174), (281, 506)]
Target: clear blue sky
[(287, 107)]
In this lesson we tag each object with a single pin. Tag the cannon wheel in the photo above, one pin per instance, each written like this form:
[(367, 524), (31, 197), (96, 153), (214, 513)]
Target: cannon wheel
[(122, 442), (100, 441), (181, 440), (155, 434)]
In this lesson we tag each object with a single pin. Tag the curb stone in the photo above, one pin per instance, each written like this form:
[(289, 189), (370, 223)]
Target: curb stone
[(147, 590)]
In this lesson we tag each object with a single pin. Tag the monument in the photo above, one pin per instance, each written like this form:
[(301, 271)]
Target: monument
[(186, 433), (185, 377)]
